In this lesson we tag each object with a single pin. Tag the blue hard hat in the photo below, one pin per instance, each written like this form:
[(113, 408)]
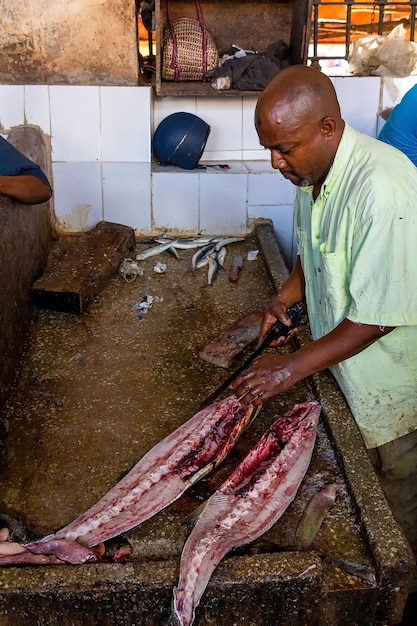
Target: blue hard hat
[(180, 140)]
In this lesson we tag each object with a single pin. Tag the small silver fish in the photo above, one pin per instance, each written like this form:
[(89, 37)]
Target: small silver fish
[(154, 250), (360, 570), (212, 270), (220, 256), (199, 258), (196, 242), (225, 242), (313, 516)]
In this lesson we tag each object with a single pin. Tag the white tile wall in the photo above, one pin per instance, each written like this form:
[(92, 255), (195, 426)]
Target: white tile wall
[(223, 203), (75, 123), (125, 124), (268, 186), (393, 89), (250, 141), (101, 141), (225, 139), (359, 102), (175, 200), (12, 106), (127, 194), (37, 110), (78, 195)]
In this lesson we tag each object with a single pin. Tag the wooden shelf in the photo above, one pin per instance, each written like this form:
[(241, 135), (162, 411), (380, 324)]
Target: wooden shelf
[(253, 25)]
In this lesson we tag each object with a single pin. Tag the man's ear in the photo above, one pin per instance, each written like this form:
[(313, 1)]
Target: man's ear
[(328, 127)]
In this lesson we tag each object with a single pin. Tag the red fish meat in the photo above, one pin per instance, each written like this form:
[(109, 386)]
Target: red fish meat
[(158, 479), (247, 504)]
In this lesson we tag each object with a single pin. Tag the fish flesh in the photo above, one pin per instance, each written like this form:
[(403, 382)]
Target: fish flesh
[(158, 479), (247, 504)]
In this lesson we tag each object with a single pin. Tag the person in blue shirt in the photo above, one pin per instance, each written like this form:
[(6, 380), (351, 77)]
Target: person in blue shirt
[(400, 129), (20, 178)]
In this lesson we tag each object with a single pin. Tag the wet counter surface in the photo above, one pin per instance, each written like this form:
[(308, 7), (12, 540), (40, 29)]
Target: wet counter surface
[(98, 390)]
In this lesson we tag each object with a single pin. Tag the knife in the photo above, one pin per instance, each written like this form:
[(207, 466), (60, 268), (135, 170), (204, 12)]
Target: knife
[(296, 313)]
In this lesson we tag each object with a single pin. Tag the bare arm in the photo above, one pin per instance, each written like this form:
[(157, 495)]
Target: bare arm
[(25, 188), (271, 374)]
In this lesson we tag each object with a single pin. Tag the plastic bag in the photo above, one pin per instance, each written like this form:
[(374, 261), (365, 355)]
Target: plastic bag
[(384, 55)]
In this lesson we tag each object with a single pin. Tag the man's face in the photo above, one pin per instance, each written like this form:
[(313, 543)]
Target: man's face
[(299, 152)]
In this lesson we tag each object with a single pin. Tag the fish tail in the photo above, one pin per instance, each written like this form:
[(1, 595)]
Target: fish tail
[(182, 612)]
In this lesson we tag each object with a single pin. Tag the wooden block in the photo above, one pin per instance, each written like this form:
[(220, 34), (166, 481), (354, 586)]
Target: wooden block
[(234, 341), (73, 280)]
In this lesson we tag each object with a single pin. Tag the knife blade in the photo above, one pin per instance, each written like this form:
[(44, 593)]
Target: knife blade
[(296, 313)]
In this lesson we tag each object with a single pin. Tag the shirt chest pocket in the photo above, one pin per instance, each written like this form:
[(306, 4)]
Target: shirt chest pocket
[(334, 277)]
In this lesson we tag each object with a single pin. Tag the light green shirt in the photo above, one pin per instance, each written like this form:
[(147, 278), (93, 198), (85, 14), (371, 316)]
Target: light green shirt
[(358, 248)]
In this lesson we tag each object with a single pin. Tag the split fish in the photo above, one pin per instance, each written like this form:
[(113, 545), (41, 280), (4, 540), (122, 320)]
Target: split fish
[(247, 504), (158, 479)]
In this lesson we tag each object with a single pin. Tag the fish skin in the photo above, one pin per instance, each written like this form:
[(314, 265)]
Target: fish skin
[(361, 570), (199, 258), (28, 558), (163, 474), (183, 244), (247, 504), (225, 242), (196, 242), (172, 250), (141, 256), (313, 516), (212, 270), (221, 255), (65, 550)]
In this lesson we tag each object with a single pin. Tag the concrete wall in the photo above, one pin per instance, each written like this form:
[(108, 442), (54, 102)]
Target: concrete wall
[(83, 42), (26, 234)]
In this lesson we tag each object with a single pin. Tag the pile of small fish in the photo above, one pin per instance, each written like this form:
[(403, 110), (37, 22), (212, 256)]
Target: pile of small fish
[(210, 251), (245, 506)]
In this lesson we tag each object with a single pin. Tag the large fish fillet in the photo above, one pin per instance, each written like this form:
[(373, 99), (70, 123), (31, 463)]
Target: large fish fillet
[(247, 504), (160, 477)]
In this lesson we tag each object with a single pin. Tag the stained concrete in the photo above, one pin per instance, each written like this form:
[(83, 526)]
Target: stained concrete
[(98, 390), (80, 42), (26, 236)]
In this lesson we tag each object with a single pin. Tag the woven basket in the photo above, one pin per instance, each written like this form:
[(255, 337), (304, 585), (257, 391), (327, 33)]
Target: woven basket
[(189, 50)]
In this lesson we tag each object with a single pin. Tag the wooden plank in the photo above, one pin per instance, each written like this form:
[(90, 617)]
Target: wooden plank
[(233, 342), (74, 277)]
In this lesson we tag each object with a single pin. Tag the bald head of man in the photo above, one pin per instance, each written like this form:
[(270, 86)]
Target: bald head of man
[(298, 119)]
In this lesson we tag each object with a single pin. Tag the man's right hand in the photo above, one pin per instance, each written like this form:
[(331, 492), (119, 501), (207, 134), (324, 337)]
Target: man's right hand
[(276, 312)]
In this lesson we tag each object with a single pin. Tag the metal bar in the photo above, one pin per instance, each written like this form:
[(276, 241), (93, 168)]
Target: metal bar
[(345, 30)]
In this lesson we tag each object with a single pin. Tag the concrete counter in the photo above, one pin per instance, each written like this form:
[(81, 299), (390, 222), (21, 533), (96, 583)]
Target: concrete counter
[(97, 390)]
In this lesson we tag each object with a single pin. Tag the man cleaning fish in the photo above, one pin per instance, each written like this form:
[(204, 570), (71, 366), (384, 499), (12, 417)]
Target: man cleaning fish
[(356, 226)]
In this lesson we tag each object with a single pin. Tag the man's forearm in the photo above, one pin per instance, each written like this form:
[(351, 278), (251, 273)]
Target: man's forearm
[(25, 189), (343, 342), (293, 289)]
